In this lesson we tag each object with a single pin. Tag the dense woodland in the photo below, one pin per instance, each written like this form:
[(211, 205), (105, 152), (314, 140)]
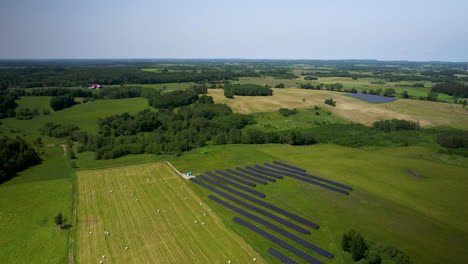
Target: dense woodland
[(248, 90), (15, 155)]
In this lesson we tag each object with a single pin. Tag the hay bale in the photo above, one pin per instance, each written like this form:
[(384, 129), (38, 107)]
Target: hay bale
[(90, 233), (254, 259), (203, 223), (103, 256), (195, 221), (126, 248)]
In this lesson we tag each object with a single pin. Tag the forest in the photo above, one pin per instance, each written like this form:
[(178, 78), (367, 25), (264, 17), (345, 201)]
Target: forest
[(15, 155)]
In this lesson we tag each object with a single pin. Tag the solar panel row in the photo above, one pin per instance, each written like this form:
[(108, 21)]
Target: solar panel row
[(264, 172), (275, 228), (285, 259), (243, 176), (253, 208), (305, 179), (278, 241), (255, 174), (239, 174), (262, 203), (310, 176), (259, 194), (234, 178), (289, 166)]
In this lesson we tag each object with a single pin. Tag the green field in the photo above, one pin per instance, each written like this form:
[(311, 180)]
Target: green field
[(349, 108), (168, 236), (84, 115), (160, 86), (388, 204), (28, 204)]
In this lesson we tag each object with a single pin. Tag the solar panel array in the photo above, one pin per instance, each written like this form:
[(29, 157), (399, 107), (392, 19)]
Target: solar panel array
[(305, 180), (311, 176), (238, 185), (275, 228), (243, 176), (289, 166), (255, 174), (235, 179), (262, 203), (285, 259), (264, 172), (278, 241), (253, 208)]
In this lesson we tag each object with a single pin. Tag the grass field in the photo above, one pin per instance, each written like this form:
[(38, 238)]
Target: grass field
[(348, 83), (160, 86), (84, 115), (170, 236), (305, 118), (28, 204), (427, 113), (388, 204)]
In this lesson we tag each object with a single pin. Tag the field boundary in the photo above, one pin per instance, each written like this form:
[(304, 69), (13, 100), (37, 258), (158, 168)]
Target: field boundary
[(71, 242)]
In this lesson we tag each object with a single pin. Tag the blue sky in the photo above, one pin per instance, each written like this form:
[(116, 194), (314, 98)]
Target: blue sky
[(293, 29)]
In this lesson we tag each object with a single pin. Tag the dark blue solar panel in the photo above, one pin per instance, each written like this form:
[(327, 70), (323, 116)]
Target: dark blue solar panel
[(275, 228), (372, 98), (234, 178), (262, 203), (278, 241), (238, 186), (255, 174), (264, 172), (305, 179), (242, 176), (288, 166), (311, 176), (285, 259), (253, 208)]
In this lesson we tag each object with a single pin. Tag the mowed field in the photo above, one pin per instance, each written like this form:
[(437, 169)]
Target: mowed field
[(353, 109), (168, 236)]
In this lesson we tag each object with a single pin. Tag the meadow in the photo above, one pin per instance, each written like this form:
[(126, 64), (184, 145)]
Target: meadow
[(84, 115), (28, 205), (352, 109), (389, 204), (152, 211)]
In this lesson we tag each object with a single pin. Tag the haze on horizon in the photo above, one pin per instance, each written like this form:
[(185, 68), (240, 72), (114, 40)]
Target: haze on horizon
[(297, 29)]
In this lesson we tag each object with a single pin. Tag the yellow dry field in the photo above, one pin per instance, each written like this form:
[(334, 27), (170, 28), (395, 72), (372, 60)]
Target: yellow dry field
[(129, 213), (353, 109)]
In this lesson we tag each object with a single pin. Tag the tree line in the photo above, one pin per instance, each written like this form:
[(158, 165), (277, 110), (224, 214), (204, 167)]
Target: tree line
[(247, 90), (15, 155)]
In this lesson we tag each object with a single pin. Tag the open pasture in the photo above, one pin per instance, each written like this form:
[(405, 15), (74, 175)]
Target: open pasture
[(393, 200), (125, 202), (356, 110)]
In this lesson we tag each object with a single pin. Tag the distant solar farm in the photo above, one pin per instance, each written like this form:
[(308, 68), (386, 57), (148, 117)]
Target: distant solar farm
[(372, 98), (261, 213)]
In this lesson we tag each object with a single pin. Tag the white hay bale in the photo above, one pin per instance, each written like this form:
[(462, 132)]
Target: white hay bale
[(195, 222), (100, 262), (126, 248), (103, 256), (203, 223), (110, 191), (254, 259), (229, 262), (200, 203), (204, 214), (185, 198), (136, 200), (209, 210), (159, 210), (132, 194), (90, 233)]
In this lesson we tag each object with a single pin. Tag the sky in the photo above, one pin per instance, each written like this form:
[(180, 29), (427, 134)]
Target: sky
[(416, 30)]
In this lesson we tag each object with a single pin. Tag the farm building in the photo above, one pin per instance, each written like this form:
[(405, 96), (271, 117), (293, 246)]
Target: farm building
[(94, 86)]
